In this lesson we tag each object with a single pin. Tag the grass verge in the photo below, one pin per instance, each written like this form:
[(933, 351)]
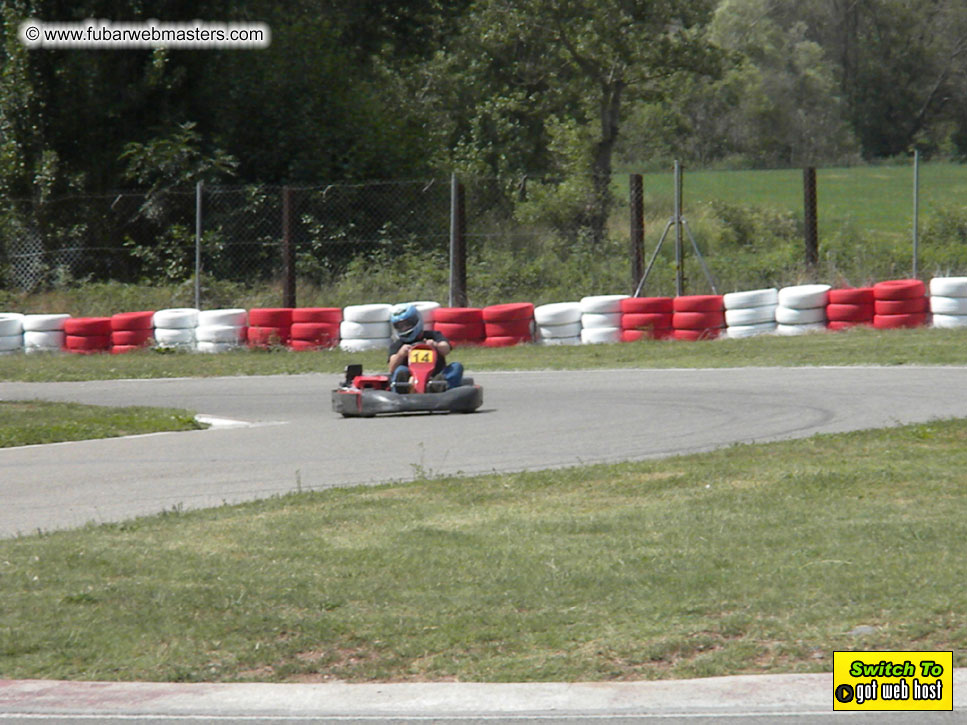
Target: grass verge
[(31, 422), (858, 346), (756, 558)]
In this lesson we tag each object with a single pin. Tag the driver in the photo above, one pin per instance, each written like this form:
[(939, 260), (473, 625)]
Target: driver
[(408, 330)]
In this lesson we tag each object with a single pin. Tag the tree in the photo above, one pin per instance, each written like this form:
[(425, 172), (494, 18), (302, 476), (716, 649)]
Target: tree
[(534, 77), (170, 161), (900, 65), (784, 105)]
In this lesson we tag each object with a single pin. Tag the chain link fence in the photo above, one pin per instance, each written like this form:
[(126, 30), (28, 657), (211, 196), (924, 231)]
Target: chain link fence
[(250, 235), (96, 237), (520, 239), (131, 237)]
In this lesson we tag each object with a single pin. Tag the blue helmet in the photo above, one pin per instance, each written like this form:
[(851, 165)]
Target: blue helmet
[(407, 323)]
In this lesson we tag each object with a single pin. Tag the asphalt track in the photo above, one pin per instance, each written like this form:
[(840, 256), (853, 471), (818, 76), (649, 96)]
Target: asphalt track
[(749, 699), (286, 438), (292, 440)]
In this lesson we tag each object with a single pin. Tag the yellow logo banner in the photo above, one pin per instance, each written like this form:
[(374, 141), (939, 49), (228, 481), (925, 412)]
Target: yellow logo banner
[(893, 681)]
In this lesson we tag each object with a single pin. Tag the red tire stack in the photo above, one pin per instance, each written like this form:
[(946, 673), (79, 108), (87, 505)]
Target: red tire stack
[(646, 318), (850, 307), (698, 317), (508, 324), (131, 331), (900, 303), (269, 326), (314, 328), (87, 335), (460, 325)]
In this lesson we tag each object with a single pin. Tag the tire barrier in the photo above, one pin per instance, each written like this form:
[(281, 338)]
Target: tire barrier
[(269, 326), (43, 341), (349, 329), (595, 319), (315, 328), (176, 318), (87, 335), (228, 334), (948, 301), (11, 343), (735, 332), (11, 332), (365, 327), (11, 324), (646, 318), (900, 303), (750, 313), (601, 318), (362, 345), (461, 325), (508, 324), (44, 333), (221, 330), (558, 323), (131, 331), (850, 307), (801, 309), (232, 317), (427, 309), (175, 328), (175, 337), (698, 317), (789, 330)]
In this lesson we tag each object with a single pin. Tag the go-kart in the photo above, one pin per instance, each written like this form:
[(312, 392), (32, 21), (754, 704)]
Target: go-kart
[(365, 396)]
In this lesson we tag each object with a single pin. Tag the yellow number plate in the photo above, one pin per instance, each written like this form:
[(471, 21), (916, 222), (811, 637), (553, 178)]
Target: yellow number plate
[(421, 356)]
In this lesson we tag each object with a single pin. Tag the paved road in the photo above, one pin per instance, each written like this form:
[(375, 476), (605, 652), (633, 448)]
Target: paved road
[(783, 699), (529, 420)]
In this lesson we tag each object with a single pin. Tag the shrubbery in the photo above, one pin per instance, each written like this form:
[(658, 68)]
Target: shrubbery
[(744, 246)]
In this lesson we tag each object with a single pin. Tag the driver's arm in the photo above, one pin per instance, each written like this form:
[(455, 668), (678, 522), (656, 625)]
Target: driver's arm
[(398, 358)]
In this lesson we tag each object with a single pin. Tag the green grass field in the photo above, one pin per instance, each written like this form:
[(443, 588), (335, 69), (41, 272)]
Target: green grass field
[(32, 422), (877, 199), (752, 559)]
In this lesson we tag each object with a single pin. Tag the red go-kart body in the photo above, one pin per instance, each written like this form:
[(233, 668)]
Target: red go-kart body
[(368, 395)]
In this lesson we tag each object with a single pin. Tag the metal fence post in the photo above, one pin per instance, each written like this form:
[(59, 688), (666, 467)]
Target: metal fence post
[(288, 252), (810, 226), (637, 204), (916, 213), (458, 244), (199, 190), (679, 258)]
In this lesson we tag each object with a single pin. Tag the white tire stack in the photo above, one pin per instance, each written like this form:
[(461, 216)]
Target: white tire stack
[(221, 330), (601, 318), (44, 333), (11, 332), (365, 327), (750, 313), (802, 309), (948, 301), (175, 328), (558, 323)]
